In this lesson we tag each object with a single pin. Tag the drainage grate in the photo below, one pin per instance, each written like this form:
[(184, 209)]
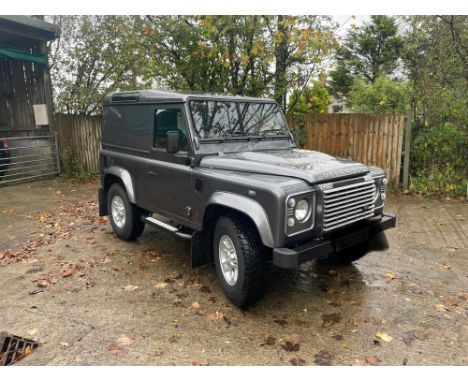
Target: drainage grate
[(14, 348)]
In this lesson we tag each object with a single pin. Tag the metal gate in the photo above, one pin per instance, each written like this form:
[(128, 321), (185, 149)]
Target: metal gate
[(28, 158)]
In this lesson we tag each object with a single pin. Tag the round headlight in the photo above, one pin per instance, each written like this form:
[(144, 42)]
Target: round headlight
[(302, 210), (291, 202)]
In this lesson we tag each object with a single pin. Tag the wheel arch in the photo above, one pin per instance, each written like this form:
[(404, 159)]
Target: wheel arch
[(222, 203), (116, 173)]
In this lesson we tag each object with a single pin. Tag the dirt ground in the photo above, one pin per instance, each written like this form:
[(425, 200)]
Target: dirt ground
[(92, 299)]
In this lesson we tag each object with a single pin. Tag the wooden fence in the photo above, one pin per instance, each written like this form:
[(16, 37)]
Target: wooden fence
[(370, 139), (79, 136)]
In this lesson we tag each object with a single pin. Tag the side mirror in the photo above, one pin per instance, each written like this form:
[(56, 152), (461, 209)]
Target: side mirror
[(172, 142)]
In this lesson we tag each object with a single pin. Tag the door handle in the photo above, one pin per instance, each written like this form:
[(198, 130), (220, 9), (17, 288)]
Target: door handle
[(152, 173)]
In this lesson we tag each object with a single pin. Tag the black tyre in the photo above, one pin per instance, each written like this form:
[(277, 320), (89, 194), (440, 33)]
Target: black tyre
[(124, 216), (240, 260), (346, 256)]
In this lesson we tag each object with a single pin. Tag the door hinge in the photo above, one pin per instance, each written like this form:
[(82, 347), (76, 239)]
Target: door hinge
[(188, 211)]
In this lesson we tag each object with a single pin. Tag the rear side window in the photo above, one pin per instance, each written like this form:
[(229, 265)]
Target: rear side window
[(169, 119), (128, 126)]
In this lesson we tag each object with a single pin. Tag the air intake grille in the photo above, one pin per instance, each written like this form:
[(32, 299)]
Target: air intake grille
[(347, 204)]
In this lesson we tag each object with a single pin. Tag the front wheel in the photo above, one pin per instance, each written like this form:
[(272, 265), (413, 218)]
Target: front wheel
[(124, 216), (240, 260)]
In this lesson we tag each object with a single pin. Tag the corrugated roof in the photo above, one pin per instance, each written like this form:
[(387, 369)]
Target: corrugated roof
[(33, 24)]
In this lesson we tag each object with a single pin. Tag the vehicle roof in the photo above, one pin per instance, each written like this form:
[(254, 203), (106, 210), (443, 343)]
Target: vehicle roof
[(157, 95)]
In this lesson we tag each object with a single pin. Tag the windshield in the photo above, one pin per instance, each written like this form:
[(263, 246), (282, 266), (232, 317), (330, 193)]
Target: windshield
[(225, 119)]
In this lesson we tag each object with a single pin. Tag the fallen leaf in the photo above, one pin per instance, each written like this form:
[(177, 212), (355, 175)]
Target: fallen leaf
[(23, 353), (205, 289), (158, 353), (173, 277), (281, 323), (195, 305), (125, 340), (391, 276), (412, 335), (32, 332), (67, 272), (447, 266), (213, 299), (173, 338), (269, 340), (372, 360), (440, 308), (451, 302), (114, 349), (332, 272), (367, 361), (216, 316), (297, 361), (384, 336), (160, 285), (330, 319), (42, 283), (323, 358), (64, 345), (130, 288), (294, 338), (290, 346), (195, 362), (338, 337)]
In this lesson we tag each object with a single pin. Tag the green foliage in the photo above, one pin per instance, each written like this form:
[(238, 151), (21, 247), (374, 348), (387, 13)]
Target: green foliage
[(69, 165), (439, 159), (94, 55), (368, 52), (314, 99), (244, 55), (436, 62), (382, 96)]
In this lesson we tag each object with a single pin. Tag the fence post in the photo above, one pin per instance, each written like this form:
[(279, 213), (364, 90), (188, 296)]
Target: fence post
[(406, 159)]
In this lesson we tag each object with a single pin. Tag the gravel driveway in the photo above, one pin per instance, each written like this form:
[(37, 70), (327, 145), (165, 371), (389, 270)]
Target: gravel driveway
[(91, 299)]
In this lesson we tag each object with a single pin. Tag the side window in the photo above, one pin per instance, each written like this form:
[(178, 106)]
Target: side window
[(169, 119)]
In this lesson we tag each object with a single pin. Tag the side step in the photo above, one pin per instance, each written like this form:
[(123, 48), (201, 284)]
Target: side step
[(182, 232)]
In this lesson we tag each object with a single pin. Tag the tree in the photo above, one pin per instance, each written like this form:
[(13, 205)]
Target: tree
[(314, 99), (93, 56), (249, 55), (435, 58), (244, 55), (382, 96), (368, 52)]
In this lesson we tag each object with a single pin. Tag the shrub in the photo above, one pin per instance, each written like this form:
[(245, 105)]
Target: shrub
[(438, 161)]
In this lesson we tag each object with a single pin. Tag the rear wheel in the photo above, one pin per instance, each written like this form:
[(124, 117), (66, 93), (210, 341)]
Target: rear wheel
[(240, 260), (124, 216)]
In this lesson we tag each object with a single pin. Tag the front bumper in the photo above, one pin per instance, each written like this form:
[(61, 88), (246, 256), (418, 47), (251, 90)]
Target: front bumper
[(291, 258)]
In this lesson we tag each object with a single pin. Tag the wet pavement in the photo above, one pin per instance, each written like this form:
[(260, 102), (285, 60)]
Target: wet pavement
[(92, 299)]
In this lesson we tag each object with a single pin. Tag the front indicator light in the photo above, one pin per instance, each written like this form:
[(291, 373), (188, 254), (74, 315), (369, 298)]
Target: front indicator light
[(291, 222)]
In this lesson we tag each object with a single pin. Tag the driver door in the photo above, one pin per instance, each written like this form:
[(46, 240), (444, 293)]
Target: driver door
[(168, 176)]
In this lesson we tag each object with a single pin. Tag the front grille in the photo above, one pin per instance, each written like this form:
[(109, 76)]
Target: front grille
[(347, 204)]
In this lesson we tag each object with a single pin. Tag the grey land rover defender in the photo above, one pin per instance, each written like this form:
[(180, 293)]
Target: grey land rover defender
[(225, 173)]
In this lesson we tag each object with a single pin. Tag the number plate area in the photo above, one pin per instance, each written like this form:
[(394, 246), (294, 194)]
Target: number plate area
[(351, 239)]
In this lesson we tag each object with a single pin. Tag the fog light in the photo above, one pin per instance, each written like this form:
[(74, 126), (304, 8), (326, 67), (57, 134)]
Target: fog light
[(291, 222), (384, 181), (383, 196)]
